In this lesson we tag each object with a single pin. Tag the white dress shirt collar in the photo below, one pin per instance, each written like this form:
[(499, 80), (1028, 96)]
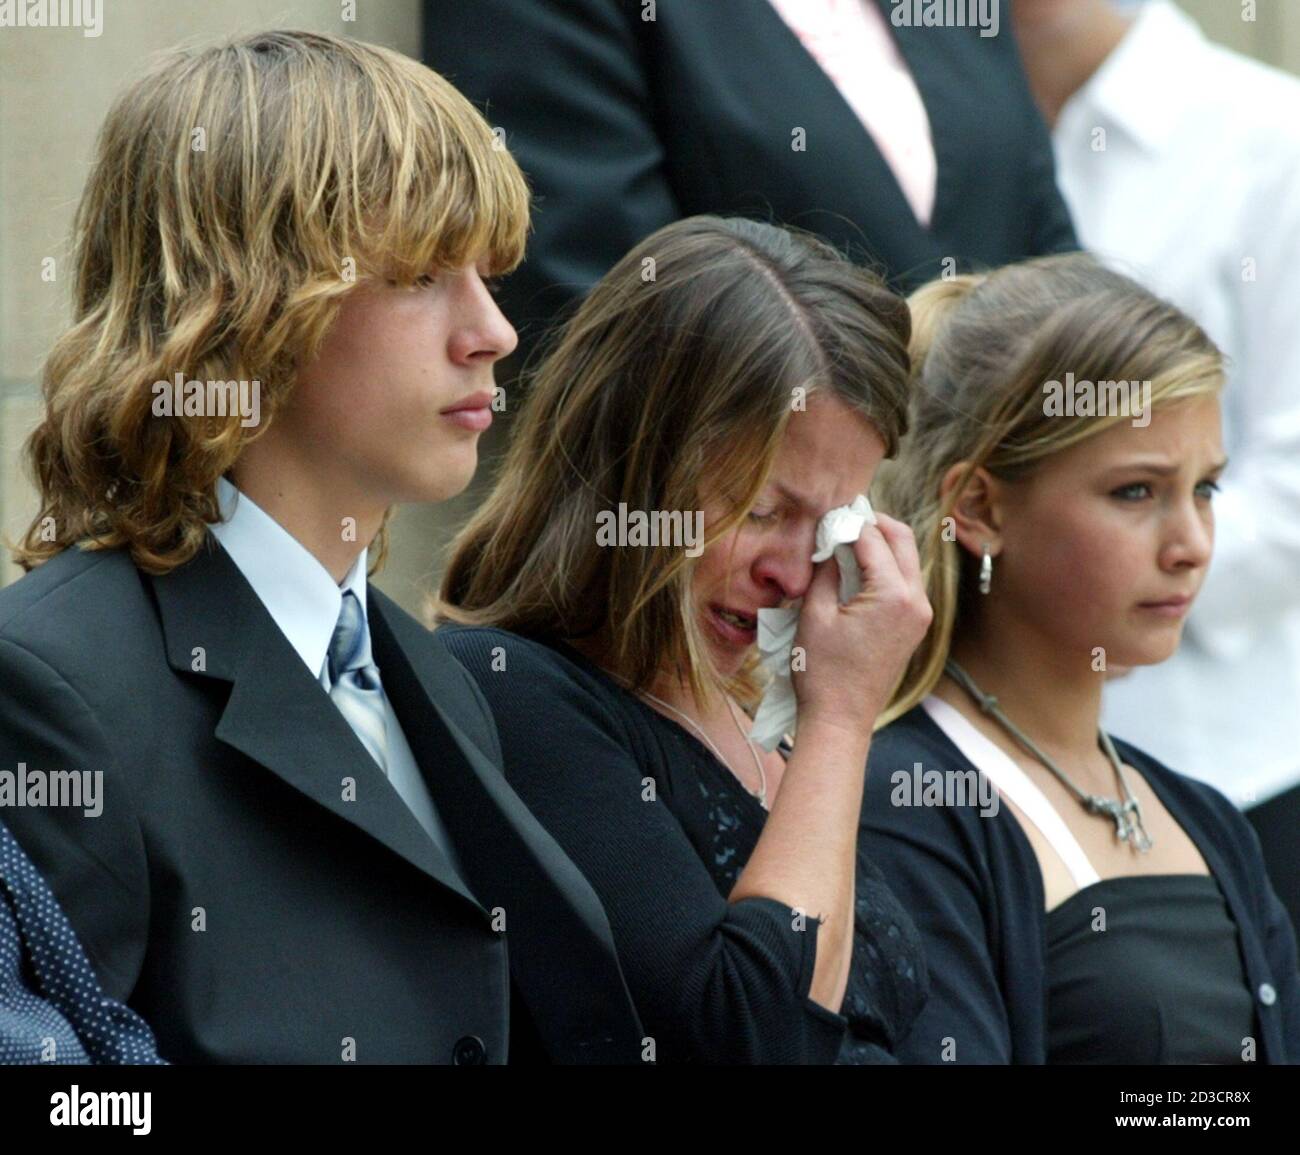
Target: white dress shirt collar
[(1140, 87), (295, 588)]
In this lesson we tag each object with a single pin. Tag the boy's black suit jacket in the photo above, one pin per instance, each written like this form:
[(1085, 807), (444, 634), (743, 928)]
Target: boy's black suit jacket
[(623, 124), (254, 887)]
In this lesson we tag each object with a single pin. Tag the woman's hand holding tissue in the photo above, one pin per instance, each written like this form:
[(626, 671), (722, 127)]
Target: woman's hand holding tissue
[(855, 653), (851, 656)]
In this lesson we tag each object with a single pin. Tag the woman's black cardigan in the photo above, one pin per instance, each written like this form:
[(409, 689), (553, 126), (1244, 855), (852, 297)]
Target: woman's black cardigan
[(661, 830)]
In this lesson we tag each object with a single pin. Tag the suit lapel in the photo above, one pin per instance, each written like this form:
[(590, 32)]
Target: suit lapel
[(277, 714), (933, 55), (561, 948), (843, 123)]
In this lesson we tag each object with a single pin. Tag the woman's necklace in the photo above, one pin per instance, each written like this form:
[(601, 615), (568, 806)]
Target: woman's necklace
[(1127, 829), (758, 765)]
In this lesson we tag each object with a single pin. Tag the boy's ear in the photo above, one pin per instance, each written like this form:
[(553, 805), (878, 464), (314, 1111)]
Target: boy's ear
[(977, 514)]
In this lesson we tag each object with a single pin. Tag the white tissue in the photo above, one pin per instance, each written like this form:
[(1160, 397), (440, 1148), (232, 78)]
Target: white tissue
[(836, 533)]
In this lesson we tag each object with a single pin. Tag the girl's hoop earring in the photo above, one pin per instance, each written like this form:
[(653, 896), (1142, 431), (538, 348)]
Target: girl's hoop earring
[(986, 570)]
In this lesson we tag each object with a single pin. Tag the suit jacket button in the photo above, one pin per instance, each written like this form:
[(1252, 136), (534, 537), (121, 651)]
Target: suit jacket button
[(1267, 995), (469, 1052)]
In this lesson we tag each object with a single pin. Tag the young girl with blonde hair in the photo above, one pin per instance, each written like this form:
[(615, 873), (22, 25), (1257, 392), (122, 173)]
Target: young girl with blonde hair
[(1058, 476)]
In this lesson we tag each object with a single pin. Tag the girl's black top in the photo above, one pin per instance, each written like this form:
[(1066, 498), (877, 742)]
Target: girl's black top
[(1147, 969), (1011, 982)]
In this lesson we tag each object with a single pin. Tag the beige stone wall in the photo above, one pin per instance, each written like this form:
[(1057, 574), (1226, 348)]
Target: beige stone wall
[(1268, 30), (54, 87)]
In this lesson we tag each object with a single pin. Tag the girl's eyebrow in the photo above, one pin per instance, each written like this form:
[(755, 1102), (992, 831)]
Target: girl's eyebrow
[(1160, 468)]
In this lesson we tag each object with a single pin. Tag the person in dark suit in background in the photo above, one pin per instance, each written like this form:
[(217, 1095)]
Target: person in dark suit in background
[(917, 148), (303, 848)]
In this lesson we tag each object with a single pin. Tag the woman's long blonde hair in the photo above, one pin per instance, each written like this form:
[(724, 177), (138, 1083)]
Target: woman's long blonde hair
[(983, 348), (673, 380), (238, 193)]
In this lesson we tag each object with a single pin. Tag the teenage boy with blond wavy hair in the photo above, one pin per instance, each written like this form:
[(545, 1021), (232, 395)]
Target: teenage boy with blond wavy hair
[(306, 851)]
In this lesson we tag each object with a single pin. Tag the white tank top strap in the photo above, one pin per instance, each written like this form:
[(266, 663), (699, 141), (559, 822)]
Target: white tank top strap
[(987, 757)]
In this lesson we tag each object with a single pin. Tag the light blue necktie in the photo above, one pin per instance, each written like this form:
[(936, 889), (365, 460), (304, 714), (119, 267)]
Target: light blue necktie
[(352, 680)]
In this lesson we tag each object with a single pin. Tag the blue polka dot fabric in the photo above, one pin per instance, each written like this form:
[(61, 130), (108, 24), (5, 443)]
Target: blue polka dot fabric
[(52, 1008)]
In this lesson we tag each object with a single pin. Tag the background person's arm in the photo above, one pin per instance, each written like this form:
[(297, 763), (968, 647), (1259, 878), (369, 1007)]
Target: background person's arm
[(95, 865), (1050, 228)]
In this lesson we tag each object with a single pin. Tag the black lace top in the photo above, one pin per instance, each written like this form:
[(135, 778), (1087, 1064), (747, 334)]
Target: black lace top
[(662, 830)]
